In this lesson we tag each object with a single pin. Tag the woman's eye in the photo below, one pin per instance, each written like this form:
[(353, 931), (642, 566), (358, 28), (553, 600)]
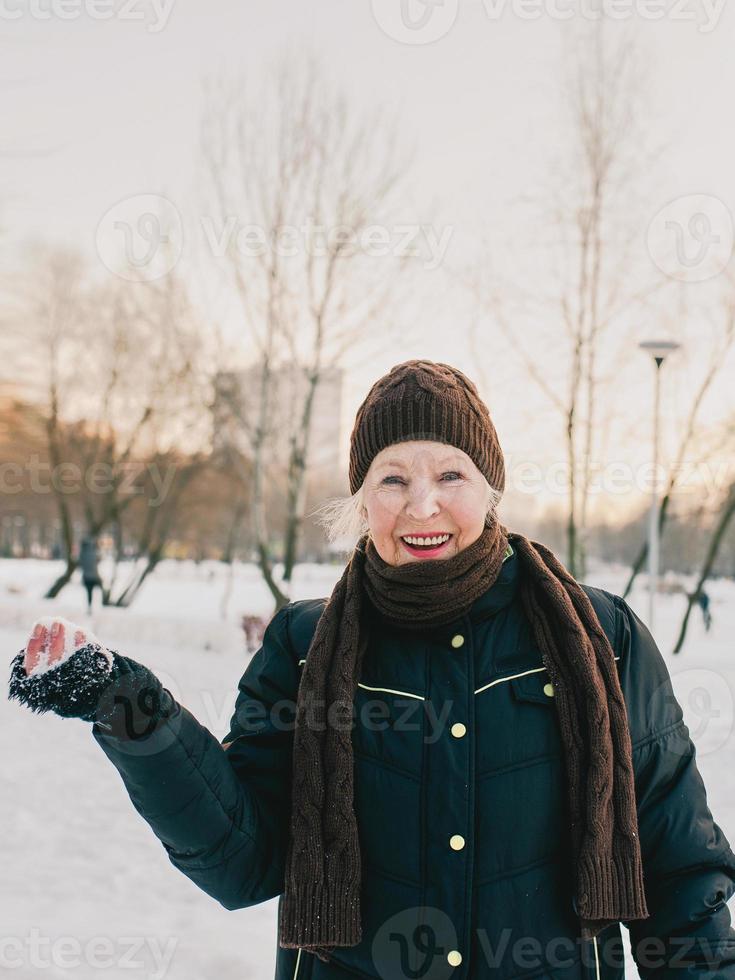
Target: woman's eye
[(453, 476)]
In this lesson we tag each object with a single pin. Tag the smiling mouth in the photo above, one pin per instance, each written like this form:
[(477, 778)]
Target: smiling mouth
[(428, 545)]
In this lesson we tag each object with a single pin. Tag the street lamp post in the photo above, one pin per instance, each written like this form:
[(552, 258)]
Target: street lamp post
[(658, 350)]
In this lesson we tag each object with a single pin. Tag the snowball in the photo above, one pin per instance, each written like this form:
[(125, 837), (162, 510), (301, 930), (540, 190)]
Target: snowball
[(70, 646)]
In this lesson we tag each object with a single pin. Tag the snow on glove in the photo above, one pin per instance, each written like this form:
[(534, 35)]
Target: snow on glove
[(64, 668)]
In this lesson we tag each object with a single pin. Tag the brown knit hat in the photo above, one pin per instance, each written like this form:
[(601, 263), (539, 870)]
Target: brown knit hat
[(425, 400)]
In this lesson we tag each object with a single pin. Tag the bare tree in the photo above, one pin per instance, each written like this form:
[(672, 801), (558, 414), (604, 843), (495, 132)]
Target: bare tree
[(158, 377), (294, 155), (157, 522), (721, 347), (45, 315), (588, 212), (115, 366)]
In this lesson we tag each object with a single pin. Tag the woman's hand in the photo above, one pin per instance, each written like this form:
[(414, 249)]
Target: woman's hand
[(65, 669), (62, 668), (53, 641)]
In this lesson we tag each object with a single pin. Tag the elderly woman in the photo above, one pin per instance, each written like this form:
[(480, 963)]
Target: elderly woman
[(463, 763)]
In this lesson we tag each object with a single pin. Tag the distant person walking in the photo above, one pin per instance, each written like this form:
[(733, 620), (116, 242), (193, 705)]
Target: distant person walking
[(703, 603), (90, 573)]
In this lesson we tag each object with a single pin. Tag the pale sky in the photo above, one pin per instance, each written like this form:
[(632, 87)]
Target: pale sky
[(95, 111)]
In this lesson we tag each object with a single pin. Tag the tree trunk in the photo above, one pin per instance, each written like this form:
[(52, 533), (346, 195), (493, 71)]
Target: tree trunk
[(643, 553), (62, 580)]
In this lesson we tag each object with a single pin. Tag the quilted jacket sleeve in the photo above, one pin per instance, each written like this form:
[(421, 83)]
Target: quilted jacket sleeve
[(221, 809), (688, 866)]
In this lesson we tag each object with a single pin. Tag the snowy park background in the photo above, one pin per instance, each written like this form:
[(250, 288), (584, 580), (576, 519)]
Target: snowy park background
[(79, 863), (529, 191)]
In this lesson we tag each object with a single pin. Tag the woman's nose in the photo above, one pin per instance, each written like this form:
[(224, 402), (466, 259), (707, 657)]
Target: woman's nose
[(422, 505)]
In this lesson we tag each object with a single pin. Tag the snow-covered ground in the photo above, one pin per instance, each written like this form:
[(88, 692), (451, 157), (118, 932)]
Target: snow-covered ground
[(89, 891)]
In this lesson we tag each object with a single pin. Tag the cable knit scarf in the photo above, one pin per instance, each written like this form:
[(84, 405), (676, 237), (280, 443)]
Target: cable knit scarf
[(320, 908)]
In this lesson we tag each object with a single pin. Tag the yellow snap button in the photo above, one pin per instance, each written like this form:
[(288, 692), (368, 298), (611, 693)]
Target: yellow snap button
[(549, 689), (457, 640), (454, 957), (456, 842), (458, 729)]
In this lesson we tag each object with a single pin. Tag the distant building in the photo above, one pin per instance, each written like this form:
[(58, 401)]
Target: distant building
[(235, 414)]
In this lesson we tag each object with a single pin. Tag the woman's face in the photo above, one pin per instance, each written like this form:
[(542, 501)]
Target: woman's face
[(423, 489)]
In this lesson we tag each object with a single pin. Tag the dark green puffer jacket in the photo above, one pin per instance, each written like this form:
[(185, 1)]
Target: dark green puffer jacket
[(460, 797)]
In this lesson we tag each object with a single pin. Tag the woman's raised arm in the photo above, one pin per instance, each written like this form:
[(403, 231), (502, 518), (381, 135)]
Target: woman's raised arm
[(221, 814)]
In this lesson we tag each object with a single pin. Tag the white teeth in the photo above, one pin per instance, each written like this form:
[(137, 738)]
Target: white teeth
[(427, 541)]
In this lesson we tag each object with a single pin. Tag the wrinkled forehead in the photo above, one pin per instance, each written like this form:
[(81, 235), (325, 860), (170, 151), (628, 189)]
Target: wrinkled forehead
[(417, 454)]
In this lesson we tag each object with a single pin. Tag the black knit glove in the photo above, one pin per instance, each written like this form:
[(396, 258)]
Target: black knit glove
[(74, 675)]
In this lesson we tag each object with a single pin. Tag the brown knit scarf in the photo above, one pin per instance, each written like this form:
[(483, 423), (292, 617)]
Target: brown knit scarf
[(320, 908)]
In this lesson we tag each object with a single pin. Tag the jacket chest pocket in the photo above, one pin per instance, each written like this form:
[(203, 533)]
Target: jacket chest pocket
[(533, 704), (533, 685), (390, 726), (535, 711), (516, 719)]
